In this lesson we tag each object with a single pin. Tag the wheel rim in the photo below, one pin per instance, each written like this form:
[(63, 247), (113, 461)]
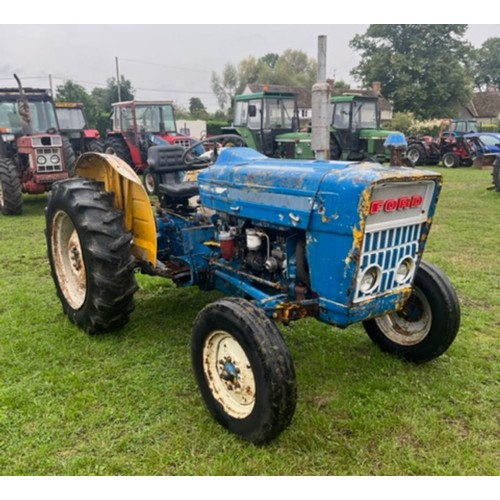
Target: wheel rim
[(229, 374), (449, 162), (149, 183), (68, 260), (1, 196), (411, 325), (413, 155), (110, 150)]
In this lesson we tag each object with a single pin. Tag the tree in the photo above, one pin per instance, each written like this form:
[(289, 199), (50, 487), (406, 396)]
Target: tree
[(292, 68), (197, 108), (105, 97), (224, 86), (341, 85), (423, 68), (487, 64)]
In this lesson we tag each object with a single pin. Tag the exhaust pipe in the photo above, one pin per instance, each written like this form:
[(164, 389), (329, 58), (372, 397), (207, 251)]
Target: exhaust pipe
[(24, 109)]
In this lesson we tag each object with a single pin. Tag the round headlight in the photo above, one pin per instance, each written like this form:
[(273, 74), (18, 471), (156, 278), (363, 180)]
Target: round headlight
[(55, 159), (404, 271), (41, 160), (369, 279)]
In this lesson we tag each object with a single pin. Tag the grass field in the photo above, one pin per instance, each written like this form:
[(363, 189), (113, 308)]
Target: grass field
[(127, 403)]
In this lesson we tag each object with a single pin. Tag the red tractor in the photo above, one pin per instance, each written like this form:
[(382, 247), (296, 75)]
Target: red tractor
[(74, 125), (451, 147), (138, 125), (33, 154)]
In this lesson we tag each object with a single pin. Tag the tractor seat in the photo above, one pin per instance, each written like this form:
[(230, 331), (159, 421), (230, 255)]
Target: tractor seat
[(165, 163)]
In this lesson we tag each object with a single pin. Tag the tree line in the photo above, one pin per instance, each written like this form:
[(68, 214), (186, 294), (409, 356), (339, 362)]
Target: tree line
[(425, 69)]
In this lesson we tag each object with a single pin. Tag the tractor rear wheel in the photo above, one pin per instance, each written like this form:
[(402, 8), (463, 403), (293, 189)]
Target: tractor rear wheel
[(90, 255), (335, 151), (117, 146), (428, 323), (244, 369), (95, 146), (450, 160), (11, 197)]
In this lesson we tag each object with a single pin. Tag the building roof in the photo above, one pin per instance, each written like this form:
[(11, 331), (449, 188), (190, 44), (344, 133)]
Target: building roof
[(485, 104)]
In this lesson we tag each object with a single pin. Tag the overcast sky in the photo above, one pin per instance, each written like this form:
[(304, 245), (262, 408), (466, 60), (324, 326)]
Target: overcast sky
[(168, 61)]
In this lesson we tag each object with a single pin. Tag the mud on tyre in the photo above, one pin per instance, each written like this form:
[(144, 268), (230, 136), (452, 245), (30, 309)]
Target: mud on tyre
[(90, 257)]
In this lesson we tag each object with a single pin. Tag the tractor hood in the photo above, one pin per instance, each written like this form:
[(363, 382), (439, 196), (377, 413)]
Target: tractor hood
[(332, 196), (368, 133)]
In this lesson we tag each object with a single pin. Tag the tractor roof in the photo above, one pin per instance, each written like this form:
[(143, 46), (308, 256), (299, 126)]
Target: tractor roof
[(352, 97), (260, 95), (143, 103), (12, 94)]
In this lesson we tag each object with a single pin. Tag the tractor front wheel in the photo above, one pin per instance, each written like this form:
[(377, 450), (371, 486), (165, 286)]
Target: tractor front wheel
[(416, 153), (149, 181), (244, 369), (450, 160), (90, 255), (428, 323), (11, 197)]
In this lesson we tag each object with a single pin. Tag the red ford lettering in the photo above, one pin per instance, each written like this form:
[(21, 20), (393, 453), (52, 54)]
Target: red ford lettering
[(394, 204)]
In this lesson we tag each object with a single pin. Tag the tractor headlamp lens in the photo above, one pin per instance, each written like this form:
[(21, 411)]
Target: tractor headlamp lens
[(370, 279), (41, 160), (404, 270), (55, 159)]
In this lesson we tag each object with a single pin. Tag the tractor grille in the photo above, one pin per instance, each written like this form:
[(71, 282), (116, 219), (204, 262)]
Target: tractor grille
[(393, 238), (48, 160), (386, 249), (183, 143)]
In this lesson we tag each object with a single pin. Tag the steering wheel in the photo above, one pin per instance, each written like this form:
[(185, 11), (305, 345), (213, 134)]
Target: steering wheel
[(191, 160)]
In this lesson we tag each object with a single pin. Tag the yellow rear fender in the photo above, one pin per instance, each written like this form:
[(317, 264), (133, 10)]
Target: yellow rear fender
[(130, 196)]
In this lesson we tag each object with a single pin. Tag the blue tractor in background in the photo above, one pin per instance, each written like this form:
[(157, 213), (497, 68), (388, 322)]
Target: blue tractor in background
[(338, 241)]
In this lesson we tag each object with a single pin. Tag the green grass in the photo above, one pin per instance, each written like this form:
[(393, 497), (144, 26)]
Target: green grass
[(127, 403)]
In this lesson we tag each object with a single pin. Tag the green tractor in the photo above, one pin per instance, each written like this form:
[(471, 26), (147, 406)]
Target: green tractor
[(355, 129), (269, 123)]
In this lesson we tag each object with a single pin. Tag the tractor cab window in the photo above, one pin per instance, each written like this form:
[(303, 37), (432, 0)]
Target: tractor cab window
[(254, 113), (10, 121), (151, 118), (241, 114), (464, 127), (341, 115), (70, 118), (43, 116), (364, 115), (279, 113), (127, 118)]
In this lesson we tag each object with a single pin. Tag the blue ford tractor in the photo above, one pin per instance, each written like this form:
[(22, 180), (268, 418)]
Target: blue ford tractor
[(282, 239)]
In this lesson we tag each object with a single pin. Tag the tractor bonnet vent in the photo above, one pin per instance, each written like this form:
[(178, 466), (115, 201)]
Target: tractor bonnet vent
[(47, 140)]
